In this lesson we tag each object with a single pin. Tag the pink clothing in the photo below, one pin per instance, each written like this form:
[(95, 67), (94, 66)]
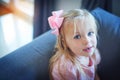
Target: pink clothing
[(67, 70)]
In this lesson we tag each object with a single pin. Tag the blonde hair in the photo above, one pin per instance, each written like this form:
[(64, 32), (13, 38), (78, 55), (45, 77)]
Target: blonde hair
[(61, 46)]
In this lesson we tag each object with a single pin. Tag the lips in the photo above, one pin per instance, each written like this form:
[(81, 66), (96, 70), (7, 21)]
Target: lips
[(88, 49)]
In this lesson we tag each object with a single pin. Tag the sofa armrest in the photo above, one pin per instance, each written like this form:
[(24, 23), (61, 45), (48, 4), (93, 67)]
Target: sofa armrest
[(29, 62)]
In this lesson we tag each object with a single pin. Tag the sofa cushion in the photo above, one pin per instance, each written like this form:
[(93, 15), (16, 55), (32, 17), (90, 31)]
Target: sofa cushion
[(108, 44)]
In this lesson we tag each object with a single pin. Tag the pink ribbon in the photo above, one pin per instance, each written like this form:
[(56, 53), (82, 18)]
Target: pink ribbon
[(55, 21)]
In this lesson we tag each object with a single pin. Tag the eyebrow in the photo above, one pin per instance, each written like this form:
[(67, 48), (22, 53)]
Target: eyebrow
[(76, 33), (91, 29)]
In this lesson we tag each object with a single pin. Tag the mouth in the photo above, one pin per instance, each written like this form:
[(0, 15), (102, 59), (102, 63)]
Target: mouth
[(88, 49)]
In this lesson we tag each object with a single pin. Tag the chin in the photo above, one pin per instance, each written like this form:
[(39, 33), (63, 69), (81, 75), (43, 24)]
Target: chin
[(89, 54)]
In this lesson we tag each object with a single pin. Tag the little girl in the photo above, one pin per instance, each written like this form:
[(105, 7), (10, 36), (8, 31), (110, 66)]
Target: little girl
[(76, 55)]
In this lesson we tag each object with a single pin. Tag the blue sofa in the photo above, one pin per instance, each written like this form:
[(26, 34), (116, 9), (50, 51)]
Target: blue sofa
[(31, 61)]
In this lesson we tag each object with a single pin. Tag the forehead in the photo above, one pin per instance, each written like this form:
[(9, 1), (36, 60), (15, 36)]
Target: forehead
[(78, 25), (69, 28)]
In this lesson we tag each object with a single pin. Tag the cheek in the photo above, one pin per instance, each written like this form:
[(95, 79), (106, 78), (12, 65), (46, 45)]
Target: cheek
[(94, 41), (74, 46)]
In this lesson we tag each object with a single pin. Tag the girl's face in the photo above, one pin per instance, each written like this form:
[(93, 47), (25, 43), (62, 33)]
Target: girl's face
[(82, 40)]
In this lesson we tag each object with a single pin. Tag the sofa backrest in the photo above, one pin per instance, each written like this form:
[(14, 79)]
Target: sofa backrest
[(108, 44)]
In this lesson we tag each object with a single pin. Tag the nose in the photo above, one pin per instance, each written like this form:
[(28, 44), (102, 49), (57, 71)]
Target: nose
[(86, 40)]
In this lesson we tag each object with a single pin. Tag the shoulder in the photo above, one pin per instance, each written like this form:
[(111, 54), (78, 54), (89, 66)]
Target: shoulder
[(64, 64), (64, 69)]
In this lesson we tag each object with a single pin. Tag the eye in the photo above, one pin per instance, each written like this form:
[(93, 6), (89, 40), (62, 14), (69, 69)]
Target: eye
[(90, 33), (77, 37)]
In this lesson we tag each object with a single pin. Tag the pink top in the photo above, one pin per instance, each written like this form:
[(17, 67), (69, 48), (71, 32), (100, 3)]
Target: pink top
[(68, 71)]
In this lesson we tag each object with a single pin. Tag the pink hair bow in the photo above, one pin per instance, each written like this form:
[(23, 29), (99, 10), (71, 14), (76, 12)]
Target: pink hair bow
[(55, 21)]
